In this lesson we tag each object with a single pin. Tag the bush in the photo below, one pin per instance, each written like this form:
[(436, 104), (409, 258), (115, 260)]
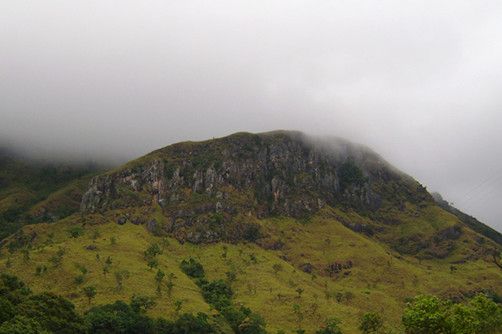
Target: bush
[(89, 292), (21, 325), (217, 293), (75, 231), (331, 327), (117, 318), (79, 279), (251, 232), (188, 323), (141, 304), (480, 315), (370, 323), (429, 314), (192, 268), (53, 312), (152, 251), (13, 289), (426, 314), (243, 321), (7, 310)]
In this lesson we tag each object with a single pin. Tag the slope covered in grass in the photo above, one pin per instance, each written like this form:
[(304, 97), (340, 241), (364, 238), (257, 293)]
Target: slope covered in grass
[(291, 267), (39, 191)]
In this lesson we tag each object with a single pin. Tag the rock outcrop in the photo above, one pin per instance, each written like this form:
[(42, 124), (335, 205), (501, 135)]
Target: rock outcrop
[(257, 175)]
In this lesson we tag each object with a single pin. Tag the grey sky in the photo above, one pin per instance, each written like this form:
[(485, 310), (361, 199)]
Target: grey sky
[(418, 81)]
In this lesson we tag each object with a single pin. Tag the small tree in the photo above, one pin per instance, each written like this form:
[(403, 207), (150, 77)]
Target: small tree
[(79, 279), (140, 304), (170, 284), (152, 263), (90, 293), (75, 231), (225, 252), (152, 251), (192, 268), (426, 314), (158, 278), (107, 265), (371, 322)]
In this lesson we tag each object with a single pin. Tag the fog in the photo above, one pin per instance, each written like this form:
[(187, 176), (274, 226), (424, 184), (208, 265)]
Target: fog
[(418, 81)]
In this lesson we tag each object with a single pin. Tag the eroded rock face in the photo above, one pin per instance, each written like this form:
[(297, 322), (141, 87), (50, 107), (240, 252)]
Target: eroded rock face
[(282, 173)]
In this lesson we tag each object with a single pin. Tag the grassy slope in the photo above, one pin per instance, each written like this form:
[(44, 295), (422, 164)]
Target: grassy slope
[(379, 280), (33, 191)]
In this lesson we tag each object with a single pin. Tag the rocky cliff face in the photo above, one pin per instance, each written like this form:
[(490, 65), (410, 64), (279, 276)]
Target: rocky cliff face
[(257, 175)]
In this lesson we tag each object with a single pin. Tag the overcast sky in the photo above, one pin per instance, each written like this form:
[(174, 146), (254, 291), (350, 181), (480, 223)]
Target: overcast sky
[(418, 81)]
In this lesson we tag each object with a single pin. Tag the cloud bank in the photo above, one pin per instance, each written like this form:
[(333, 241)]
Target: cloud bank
[(418, 81)]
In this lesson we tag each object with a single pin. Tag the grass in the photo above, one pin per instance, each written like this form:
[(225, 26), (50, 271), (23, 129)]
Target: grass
[(380, 280)]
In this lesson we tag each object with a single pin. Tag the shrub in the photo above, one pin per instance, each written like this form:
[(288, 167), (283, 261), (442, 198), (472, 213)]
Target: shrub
[(331, 327), (53, 312), (217, 293), (243, 321), (141, 304), (480, 315), (75, 231), (79, 279), (192, 268), (89, 292), (152, 263), (21, 325), (117, 318), (371, 322), (426, 314), (188, 323), (7, 310), (251, 232), (152, 251)]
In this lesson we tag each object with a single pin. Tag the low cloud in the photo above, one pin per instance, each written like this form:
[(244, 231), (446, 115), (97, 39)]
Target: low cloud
[(419, 82)]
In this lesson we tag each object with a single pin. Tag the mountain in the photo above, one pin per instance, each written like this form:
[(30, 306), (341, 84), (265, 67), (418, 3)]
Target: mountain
[(468, 220), (300, 229), (33, 190)]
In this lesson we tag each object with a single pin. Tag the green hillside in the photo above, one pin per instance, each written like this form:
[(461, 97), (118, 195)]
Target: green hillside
[(36, 191), (371, 245)]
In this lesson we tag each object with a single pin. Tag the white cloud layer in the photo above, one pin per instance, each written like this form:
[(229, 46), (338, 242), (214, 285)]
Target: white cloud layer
[(419, 81)]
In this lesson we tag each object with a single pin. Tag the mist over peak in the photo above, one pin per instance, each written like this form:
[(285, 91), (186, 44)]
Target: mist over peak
[(419, 82)]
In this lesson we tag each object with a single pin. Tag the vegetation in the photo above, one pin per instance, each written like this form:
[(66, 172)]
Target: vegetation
[(218, 294), (429, 314), (232, 265), (33, 192), (22, 312), (371, 322)]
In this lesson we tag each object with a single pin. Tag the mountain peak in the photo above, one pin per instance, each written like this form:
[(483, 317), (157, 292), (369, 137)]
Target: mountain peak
[(279, 173)]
